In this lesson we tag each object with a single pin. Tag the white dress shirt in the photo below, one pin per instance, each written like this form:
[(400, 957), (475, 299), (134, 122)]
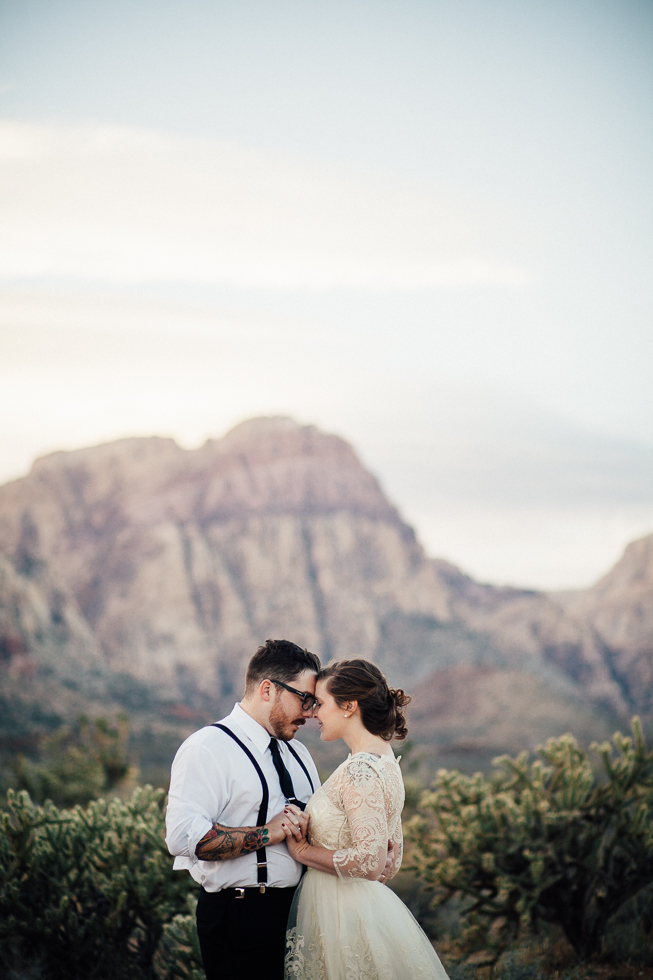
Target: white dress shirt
[(213, 781)]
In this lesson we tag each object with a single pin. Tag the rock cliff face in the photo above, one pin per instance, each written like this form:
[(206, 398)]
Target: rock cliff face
[(47, 651), (600, 638), (163, 569), (182, 562), (620, 610), (536, 633)]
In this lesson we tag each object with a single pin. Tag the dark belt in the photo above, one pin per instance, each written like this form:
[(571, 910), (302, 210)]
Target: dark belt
[(251, 891)]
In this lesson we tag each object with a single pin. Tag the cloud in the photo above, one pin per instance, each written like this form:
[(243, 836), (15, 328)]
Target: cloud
[(120, 204)]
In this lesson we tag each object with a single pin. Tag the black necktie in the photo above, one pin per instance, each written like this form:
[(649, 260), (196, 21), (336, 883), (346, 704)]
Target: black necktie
[(285, 779)]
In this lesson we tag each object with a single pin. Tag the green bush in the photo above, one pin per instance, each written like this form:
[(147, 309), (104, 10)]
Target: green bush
[(547, 841), (85, 893), (632, 929), (75, 765), (178, 956)]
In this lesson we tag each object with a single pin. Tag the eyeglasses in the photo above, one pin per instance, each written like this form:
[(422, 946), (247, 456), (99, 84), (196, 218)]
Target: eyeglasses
[(308, 700)]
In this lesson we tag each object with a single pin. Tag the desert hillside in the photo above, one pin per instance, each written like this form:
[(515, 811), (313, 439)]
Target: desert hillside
[(141, 574)]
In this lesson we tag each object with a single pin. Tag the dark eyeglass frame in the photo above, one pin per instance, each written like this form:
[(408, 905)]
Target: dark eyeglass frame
[(308, 700)]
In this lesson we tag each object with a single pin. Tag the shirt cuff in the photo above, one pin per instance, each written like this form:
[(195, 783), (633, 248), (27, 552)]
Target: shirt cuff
[(199, 827)]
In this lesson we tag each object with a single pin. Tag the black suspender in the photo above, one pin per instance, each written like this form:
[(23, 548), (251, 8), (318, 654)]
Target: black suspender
[(293, 753), (261, 859), (262, 864)]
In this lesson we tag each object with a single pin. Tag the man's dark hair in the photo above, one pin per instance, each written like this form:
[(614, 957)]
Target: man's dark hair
[(280, 660)]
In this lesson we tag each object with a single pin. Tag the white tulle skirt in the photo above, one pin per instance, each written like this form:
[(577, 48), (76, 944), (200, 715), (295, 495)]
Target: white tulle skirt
[(355, 930)]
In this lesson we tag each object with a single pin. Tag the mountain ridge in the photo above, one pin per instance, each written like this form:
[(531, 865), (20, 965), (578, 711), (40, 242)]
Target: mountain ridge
[(175, 564)]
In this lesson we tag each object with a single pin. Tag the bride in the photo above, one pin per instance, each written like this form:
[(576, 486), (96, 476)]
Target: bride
[(343, 924)]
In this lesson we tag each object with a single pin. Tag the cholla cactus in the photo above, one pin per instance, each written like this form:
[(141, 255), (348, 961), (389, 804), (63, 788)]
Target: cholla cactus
[(178, 956), (549, 840), (85, 893)]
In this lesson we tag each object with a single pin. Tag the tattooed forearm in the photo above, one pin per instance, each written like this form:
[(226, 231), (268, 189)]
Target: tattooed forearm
[(222, 843), (255, 839)]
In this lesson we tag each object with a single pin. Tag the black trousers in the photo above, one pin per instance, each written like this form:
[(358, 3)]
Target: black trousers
[(243, 938)]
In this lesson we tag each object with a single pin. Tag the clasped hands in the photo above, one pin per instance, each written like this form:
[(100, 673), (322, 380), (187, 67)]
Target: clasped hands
[(294, 823), (293, 818)]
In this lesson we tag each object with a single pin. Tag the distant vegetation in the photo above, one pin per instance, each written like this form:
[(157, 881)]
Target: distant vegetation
[(74, 765), (545, 862)]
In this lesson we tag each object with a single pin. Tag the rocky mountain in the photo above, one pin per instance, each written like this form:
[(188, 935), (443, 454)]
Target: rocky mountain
[(535, 632), (180, 562), (141, 574), (620, 610), (45, 648), (601, 638)]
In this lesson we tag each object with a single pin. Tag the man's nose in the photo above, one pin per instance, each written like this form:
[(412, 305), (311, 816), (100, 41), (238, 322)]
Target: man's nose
[(307, 712)]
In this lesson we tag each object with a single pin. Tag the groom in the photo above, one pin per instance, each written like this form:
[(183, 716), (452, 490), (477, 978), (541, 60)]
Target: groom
[(226, 779)]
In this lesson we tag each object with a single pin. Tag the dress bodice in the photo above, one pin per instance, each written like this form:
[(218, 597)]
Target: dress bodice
[(356, 812)]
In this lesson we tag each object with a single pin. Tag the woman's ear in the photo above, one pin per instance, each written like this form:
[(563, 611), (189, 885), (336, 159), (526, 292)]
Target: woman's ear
[(351, 706)]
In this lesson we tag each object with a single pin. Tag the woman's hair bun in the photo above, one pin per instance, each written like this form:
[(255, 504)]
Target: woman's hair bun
[(401, 699)]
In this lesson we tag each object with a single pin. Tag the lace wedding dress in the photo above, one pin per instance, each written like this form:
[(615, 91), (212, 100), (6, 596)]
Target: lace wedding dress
[(347, 926)]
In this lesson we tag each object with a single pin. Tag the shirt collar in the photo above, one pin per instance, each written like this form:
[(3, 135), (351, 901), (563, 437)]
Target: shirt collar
[(255, 732)]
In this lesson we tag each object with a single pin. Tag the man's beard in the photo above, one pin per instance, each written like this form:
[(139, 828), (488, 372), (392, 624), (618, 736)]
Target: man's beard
[(280, 723)]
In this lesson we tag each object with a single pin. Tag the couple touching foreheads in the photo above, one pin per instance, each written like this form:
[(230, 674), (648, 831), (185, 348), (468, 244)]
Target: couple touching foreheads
[(247, 816)]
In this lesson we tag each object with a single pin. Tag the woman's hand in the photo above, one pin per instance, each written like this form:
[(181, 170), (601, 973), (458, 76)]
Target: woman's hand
[(295, 818), (389, 864), (295, 827)]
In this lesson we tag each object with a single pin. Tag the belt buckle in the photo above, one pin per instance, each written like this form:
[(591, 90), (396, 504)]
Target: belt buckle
[(240, 893)]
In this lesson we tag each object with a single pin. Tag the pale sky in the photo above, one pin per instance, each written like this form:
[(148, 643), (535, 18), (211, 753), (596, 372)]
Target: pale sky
[(424, 226)]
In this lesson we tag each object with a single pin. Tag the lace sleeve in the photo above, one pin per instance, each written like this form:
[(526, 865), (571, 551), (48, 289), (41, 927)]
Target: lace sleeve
[(364, 805)]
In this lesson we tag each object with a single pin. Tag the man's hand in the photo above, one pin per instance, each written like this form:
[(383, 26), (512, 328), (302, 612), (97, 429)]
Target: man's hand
[(389, 863), (293, 817)]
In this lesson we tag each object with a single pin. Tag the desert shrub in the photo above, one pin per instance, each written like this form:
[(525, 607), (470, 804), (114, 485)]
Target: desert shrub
[(461, 971), (19, 718), (441, 922), (513, 968), (178, 956), (74, 765), (547, 841), (632, 929), (85, 893)]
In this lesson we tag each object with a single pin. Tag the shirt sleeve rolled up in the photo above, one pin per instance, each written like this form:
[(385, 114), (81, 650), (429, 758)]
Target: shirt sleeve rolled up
[(196, 798)]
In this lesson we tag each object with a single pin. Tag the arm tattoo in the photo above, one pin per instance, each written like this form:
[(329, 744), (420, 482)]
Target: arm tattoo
[(221, 843)]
